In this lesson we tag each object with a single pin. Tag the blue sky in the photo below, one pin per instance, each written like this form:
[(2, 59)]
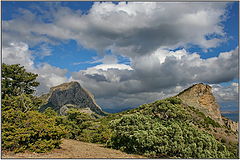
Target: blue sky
[(126, 54), (77, 52)]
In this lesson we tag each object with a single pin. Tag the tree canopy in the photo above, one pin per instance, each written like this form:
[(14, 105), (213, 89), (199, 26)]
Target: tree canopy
[(16, 80), (23, 127)]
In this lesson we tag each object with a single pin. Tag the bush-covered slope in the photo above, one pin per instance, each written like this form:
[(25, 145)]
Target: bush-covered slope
[(163, 129)]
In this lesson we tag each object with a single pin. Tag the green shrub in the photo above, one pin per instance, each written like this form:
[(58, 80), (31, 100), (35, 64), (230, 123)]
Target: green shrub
[(174, 100), (22, 102), (96, 133), (210, 121), (29, 131), (234, 148), (166, 110), (50, 112), (200, 114), (74, 122), (78, 116)]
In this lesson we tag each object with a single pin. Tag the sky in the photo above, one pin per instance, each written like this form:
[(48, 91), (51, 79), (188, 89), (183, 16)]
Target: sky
[(126, 54)]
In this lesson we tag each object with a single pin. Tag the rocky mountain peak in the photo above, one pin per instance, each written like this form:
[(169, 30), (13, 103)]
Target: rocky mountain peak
[(70, 95), (65, 86), (200, 96), (198, 89)]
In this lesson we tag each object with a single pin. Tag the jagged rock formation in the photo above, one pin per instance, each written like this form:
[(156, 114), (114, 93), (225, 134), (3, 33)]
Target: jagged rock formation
[(230, 124), (200, 96), (70, 95)]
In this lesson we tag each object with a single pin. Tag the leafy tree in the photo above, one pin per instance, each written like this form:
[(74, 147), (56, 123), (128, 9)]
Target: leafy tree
[(22, 102), (16, 81), (23, 127)]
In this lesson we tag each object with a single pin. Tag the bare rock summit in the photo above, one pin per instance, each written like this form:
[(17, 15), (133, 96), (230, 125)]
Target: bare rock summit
[(200, 96), (70, 95)]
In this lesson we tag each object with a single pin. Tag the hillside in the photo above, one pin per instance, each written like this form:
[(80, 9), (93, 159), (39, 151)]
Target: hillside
[(182, 126), (188, 125), (74, 149)]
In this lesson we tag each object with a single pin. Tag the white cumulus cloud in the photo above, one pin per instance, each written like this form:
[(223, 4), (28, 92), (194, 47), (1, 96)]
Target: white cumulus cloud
[(157, 74), (130, 29)]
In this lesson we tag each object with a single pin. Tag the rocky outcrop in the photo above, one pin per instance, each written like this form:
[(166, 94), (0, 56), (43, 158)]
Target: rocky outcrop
[(200, 96), (70, 95), (230, 124)]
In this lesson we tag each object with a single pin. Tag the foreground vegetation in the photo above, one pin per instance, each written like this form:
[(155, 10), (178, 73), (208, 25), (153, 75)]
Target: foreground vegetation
[(163, 129), (23, 127), (167, 135)]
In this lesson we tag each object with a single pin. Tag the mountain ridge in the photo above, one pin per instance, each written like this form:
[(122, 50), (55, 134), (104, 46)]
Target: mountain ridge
[(70, 95), (198, 96)]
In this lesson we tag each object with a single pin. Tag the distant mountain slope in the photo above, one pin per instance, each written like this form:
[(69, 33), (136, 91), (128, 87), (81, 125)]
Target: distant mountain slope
[(70, 95)]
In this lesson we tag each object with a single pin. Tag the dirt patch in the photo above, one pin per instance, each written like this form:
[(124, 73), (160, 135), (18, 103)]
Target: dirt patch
[(74, 149)]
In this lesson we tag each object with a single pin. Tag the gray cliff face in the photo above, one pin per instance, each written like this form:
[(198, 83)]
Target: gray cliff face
[(70, 95)]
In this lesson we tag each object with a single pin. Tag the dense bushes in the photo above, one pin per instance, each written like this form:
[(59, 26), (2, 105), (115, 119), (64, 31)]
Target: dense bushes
[(163, 129), (146, 135), (167, 109), (29, 131), (82, 126), (96, 133), (74, 122)]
